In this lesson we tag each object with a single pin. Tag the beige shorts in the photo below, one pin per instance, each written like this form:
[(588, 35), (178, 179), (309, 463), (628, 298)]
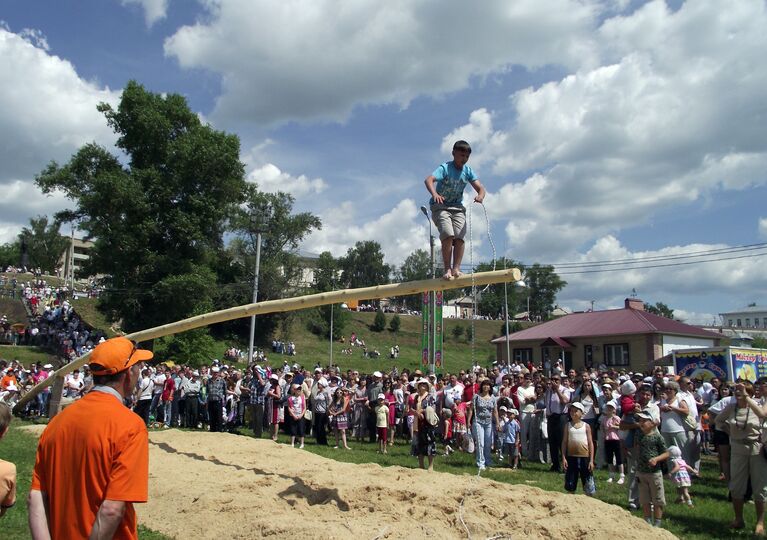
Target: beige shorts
[(744, 467), (651, 488), (449, 222)]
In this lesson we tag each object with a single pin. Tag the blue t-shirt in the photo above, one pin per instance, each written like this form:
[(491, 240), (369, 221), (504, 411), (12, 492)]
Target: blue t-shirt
[(510, 432), (451, 182)]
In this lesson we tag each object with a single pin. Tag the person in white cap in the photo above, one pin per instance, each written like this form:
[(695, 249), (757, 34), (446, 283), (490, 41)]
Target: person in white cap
[(578, 452), (382, 422)]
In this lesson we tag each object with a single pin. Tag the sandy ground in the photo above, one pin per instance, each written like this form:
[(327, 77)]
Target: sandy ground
[(206, 485)]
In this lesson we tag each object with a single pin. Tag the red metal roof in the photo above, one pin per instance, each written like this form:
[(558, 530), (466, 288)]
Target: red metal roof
[(608, 323)]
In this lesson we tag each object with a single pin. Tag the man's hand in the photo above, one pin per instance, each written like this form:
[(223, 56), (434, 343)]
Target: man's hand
[(591, 466), (652, 461)]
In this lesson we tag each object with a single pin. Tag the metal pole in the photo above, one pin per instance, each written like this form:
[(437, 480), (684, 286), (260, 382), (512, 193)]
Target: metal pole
[(331, 335), (433, 304), (506, 316), (255, 299)]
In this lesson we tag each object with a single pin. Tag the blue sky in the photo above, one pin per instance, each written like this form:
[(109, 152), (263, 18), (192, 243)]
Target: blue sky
[(603, 129)]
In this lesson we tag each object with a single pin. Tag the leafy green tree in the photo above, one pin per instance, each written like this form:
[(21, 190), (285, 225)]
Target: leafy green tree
[(659, 308), (44, 243), (195, 347), (491, 301), (543, 284), (379, 322), (280, 270), (395, 323), (416, 266), (325, 279), (157, 222), (363, 266), (457, 331), (759, 343), (10, 255)]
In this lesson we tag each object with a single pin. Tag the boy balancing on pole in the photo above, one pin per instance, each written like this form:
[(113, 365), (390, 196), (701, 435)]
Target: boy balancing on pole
[(446, 185)]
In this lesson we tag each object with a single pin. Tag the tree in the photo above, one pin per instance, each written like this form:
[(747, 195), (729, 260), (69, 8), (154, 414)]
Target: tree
[(379, 322), (280, 271), (759, 343), (491, 301), (157, 222), (44, 243), (318, 319), (395, 323), (10, 255), (363, 266), (659, 308), (543, 284), (416, 266), (457, 331)]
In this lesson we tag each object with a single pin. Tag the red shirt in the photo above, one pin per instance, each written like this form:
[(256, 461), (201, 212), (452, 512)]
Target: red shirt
[(167, 388)]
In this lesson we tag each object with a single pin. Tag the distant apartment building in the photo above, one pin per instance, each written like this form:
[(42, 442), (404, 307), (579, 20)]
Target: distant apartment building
[(751, 316), (74, 257)]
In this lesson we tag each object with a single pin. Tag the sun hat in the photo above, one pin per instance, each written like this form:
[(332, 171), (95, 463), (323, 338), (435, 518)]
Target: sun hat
[(578, 405), (503, 408), (215, 369), (274, 376), (323, 381), (513, 411), (377, 374), (381, 396), (48, 366), (116, 355), (643, 415)]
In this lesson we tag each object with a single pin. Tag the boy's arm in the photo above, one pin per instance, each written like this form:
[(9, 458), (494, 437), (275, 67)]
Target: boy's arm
[(565, 441), (431, 187), (480, 189), (591, 447)]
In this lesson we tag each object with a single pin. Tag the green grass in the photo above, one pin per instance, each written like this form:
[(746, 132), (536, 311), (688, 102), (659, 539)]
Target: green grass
[(26, 355), (19, 447), (86, 308), (13, 309)]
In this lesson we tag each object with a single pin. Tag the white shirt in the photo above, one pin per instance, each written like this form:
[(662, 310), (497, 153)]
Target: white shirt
[(523, 394)]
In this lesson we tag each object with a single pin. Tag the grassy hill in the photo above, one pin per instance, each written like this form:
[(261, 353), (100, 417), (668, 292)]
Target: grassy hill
[(13, 309)]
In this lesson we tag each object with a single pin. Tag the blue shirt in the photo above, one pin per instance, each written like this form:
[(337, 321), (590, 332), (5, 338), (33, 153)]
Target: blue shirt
[(510, 432), (451, 182)]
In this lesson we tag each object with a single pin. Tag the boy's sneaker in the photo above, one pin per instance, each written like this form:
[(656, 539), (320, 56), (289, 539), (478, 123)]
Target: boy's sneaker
[(610, 480), (690, 503), (621, 480)]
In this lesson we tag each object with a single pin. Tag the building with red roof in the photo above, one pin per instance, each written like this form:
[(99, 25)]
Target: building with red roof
[(629, 338)]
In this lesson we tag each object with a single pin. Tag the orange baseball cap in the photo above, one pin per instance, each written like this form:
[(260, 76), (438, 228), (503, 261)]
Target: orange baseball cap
[(116, 355)]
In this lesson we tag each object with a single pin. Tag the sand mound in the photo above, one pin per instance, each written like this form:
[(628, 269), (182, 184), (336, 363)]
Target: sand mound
[(206, 485), (216, 485)]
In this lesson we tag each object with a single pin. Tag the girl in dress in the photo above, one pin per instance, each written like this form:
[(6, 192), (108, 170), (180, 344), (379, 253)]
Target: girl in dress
[(680, 475), (339, 419), (296, 408)]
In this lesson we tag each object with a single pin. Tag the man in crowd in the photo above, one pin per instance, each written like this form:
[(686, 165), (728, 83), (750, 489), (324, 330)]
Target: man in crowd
[(216, 398), (92, 461)]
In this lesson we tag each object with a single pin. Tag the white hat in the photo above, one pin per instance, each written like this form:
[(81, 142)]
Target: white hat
[(215, 369), (377, 374), (513, 411), (274, 376), (323, 381), (381, 396), (503, 408), (48, 366), (612, 404), (12, 388), (422, 381), (578, 405), (195, 373), (318, 370)]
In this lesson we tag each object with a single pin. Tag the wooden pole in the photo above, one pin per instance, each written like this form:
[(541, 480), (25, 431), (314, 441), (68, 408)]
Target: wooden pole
[(289, 304)]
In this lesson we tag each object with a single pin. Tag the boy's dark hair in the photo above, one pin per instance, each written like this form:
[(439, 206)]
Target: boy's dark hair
[(5, 417), (462, 145)]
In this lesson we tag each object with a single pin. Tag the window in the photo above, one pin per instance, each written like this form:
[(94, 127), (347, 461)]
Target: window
[(523, 356), (588, 356), (617, 354), (729, 322), (764, 322), (738, 322), (748, 323)]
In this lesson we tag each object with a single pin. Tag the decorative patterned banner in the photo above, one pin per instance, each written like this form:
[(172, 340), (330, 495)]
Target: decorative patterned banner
[(425, 330), (438, 333)]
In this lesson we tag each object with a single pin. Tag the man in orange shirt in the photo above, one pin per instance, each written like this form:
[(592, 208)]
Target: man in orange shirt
[(92, 461)]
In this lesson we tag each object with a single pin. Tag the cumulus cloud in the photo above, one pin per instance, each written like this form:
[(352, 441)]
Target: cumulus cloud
[(270, 178), (309, 59), (763, 228), (671, 114), (400, 231), (659, 273), (154, 10), (46, 112)]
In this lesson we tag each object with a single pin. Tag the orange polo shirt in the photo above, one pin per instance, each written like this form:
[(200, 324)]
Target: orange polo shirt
[(93, 450)]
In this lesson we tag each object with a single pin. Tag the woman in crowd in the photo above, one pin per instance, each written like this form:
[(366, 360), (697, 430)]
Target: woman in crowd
[(320, 406), (483, 415), (591, 411), (721, 439), (539, 446), (672, 413), (425, 424), (391, 402), (359, 417), (339, 416), (742, 420), (275, 410)]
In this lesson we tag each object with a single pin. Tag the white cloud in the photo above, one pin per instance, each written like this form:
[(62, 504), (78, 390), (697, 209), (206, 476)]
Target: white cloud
[(763, 228), (666, 281), (46, 112), (399, 231), (305, 59), (271, 179), (154, 10), (672, 115)]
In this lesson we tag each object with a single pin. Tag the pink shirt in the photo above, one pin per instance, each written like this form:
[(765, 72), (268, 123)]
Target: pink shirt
[(610, 427)]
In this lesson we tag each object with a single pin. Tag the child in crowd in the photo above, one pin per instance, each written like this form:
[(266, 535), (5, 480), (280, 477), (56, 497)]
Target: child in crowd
[(382, 422), (578, 452), (460, 432), (7, 469), (511, 440), (609, 423), (680, 475), (297, 409), (651, 452), (628, 408), (447, 429)]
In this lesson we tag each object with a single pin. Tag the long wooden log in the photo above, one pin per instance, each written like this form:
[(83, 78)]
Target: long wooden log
[(290, 304)]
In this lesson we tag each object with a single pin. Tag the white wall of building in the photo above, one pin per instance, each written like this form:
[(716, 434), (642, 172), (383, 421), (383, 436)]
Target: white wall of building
[(671, 343)]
